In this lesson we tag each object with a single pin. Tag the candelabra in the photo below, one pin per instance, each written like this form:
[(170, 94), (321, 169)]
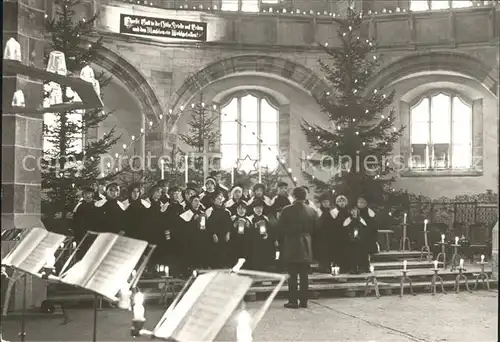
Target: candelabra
[(455, 259), (404, 239), (482, 275), (425, 248), (442, 253), (435, 279), (372, 280), (404, 277), (459, 277)]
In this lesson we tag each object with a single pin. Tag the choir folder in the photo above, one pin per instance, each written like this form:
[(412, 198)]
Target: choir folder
[(106, 267), (205, 308), (33, 251)]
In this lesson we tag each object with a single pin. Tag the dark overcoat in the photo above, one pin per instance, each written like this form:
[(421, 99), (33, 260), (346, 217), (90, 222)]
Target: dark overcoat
[(297, 223)]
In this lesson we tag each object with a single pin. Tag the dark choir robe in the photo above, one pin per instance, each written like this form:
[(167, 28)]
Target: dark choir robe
[(193, 240), (323, 238), (279, 202), (232, 204), (135, 218), (98, 196), (219, 224), (339, 239), (207, 198), (164, 199), (110, 216), (157, 231), (267, 205), (358, 234), (240, 233), (261, 243), (369, 217), (84, 219)]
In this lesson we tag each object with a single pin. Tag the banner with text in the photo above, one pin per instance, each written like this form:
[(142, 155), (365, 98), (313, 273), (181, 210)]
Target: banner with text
[(165, 28)]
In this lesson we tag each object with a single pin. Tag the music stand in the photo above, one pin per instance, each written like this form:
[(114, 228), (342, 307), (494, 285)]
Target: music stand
[(206, 304), (107, 268), (33, 253)]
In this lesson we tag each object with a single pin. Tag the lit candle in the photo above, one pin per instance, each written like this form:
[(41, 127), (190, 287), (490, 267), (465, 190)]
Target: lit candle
[(241, 227), (139, 307), (232, 175), (404, 219), (186, 169), (372, 269), (333, 269), (482, 257), (442, 238), (461, 263), (162, 162), (355, 233), (262, 229), (456, 240), (435, 264), (124, 302), (167, 271), (244, 328), (277, 255), (162, 268), (73, 244), (425, 225), (405, 263), (202, 223)]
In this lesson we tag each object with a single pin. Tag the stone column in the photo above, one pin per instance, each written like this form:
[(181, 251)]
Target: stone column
[(22, 135), (494, 253)]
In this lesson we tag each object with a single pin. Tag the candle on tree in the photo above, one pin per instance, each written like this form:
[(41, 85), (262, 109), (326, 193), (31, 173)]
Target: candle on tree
[(461, 263), (435, 264), (442, 238), (482, 257), (405, 264), (456, 240)]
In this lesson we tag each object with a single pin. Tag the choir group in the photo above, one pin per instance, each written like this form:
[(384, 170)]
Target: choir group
[(213, 227)]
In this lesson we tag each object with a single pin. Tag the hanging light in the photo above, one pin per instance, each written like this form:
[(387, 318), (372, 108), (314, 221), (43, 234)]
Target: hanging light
[(18, 99)]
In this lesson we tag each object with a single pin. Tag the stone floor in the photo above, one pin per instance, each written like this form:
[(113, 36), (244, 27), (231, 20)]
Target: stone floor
[(451, 317)]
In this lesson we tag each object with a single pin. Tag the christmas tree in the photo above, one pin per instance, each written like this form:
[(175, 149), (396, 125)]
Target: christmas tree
[(70, 162), (361, 135), (201, 129)]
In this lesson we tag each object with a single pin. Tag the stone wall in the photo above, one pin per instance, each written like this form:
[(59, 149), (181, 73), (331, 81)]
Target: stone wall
[(274, 47)]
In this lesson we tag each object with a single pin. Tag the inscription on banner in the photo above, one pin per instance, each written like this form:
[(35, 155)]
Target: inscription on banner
[(165, 28)]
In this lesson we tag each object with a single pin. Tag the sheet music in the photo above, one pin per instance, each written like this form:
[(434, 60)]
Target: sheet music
[(38, 257), (116, 266), (211, 310), (25, 247), (82, 271)]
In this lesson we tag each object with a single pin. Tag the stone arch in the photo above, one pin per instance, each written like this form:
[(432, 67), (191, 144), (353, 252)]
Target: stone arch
[(296, 73), (133, 79), (438, 61)]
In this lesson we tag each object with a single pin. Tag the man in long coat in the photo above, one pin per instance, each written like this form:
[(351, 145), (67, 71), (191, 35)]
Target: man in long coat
[(296, 225)]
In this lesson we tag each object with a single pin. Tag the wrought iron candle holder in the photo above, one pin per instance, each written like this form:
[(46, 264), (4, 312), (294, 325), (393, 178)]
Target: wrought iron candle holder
[(455, 259), (435, 279), (484, 276), (442, 254), (425, 248), (404, 277), (459, 277), (404, 239), (372, 281)]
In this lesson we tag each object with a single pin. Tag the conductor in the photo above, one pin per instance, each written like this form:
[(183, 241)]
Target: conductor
[(296, 224)]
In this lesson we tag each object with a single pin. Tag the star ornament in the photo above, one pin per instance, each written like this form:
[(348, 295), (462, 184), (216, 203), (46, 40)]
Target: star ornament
[(247, 164)]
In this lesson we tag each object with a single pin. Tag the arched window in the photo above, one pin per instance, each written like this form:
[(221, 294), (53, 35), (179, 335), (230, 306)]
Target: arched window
[(246, 116), (441, 132), (425, 5)]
